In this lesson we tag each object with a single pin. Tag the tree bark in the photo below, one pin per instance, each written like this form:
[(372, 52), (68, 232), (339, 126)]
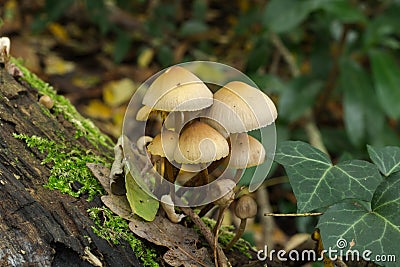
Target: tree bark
[(39, 227)]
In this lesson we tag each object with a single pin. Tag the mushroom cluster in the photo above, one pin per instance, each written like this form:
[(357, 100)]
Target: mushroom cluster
[(203, 137), (202, 133)]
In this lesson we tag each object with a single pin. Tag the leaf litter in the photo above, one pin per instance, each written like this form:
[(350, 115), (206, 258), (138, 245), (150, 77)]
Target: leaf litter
[(181, 241)]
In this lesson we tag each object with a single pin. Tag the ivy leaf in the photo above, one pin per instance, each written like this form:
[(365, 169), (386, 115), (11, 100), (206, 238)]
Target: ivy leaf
[(142, 204), (317, 183), (385, 72), (284, 15), (387, 159), (376, 230)]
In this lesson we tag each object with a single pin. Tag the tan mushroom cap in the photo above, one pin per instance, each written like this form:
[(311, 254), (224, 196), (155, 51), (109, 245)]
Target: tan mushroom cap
[(200, 143), (143, 113), (177, 89), (246, 151), (242, 108), (164, 144), (246, 207)]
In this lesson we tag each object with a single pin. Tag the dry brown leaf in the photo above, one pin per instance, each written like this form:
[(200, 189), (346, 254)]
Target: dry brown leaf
[(119, 205), (180, 240), (102, 174)]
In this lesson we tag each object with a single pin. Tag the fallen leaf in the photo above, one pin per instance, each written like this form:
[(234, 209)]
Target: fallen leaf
[(56, 65), (102, 174), (119, 205), (180, 240), (142, 204), (98, 110), (118, 92)]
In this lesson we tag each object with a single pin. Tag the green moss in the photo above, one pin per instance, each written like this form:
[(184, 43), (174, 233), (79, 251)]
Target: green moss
[(84, 127), (225, 236), (69, 166), (114, 228)]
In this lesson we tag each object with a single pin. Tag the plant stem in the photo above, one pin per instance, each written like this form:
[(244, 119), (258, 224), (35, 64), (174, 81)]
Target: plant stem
[(293, 214), (239, 233), (220, 259)]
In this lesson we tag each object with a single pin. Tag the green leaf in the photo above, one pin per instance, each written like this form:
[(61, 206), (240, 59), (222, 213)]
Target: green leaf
[(344, 11), (142, 204), (193, 27), (387, 159), (298, 97), (284, 15), (317, 183), (386, 80), (376, 230), (363, 117)]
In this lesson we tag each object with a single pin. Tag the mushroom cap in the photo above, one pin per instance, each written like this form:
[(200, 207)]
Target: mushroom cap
[(246, 207), (143, 113), (223, 189), (246, 151), (242, 108), (164, 144), (200, 143), (177, 89)]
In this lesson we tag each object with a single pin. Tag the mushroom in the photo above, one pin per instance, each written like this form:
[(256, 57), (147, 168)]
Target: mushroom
[(143, 113), (246, 207), (240, 107), (225, 188), (164, 145), (142, 142), (168, 206), (5, 45), (246, 152), (199, 143), (178, 90)]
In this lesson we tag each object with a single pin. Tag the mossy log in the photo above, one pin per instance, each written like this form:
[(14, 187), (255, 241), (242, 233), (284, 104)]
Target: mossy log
[(39, 227)]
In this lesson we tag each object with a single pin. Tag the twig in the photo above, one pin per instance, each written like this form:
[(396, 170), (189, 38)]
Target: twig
[(294, 70), (221, 260), (267, 223), (294, 214), (332, 76), (311, 128)]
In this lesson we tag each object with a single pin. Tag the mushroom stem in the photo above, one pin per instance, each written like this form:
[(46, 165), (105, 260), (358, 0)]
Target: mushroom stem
[(218, 225), (170, 171), (239, 233), (238, 175), (205, 175), (206, 209)]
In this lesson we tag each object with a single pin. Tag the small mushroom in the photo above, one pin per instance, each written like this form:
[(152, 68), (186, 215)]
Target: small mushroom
[(178, 90), (246, 152), (5, 45), (199, 143), (225, 188), (168, 206), (164, 145), (142, 142), (246, 207), (46, 101), (143, 113), (240, 108)]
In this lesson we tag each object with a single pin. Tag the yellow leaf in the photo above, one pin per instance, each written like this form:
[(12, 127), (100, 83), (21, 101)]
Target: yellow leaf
[(98, 110), (145, 57), (116, 93), (55, 65), (58, 32)]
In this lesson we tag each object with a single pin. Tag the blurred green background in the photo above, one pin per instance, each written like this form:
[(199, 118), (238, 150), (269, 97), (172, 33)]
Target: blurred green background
[(332, 67)]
